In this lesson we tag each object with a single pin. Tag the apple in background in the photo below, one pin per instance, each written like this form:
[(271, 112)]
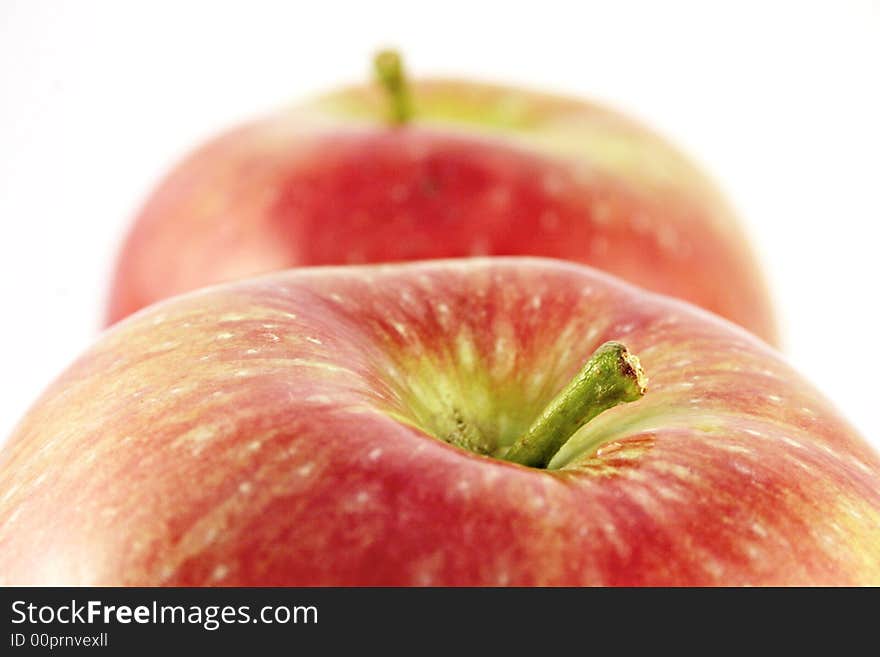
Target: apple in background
[(369, 425), (434, 169)]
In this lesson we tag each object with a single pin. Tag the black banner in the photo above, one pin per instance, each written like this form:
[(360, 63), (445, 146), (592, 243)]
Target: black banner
[(124, 621)]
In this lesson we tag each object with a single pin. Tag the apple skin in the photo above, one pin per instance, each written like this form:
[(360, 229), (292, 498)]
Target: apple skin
[(279, 431), (480, 170)]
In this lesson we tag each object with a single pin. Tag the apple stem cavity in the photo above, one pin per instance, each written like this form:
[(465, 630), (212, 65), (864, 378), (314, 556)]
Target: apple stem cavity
[(610, 377), (388, 66)]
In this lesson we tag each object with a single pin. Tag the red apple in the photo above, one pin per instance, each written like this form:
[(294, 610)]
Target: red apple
[(352, 425), (475, 170)]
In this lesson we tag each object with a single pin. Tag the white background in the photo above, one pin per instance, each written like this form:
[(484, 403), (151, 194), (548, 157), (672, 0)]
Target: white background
[(780, 101)]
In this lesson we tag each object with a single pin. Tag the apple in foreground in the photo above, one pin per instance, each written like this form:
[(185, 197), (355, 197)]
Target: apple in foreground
[(442, 169), (467, 422)]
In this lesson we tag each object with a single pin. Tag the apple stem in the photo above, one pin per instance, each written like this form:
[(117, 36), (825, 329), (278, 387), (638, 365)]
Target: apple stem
[(610, 377), (388, 65)]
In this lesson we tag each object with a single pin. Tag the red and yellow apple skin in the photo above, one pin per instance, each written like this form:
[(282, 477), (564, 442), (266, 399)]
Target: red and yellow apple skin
[(289, 430), (479, 170)]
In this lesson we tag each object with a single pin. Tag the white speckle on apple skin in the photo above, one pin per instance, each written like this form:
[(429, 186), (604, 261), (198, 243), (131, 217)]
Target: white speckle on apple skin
[(676, 470), (860, 465), (224, 335), (490, 476), (742, 468), (504, 357), (13, 516), (197, 437), (375, 453), (10, 492), (245, 488), (806, 467), (609, 530), (855, 514), (713, 568), (636, 475), (736, 449), (466, 351), (313, 340), (305, 469), (329, 367), (252, 351), (48, 446), (536, 383), (754, 553), (646, 499), (791, 442), (220, 571), (668, 493), (163, 346), (828, 449)]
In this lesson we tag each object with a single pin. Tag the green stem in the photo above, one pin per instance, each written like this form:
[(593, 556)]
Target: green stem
[(612, 376), (389, 73)]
